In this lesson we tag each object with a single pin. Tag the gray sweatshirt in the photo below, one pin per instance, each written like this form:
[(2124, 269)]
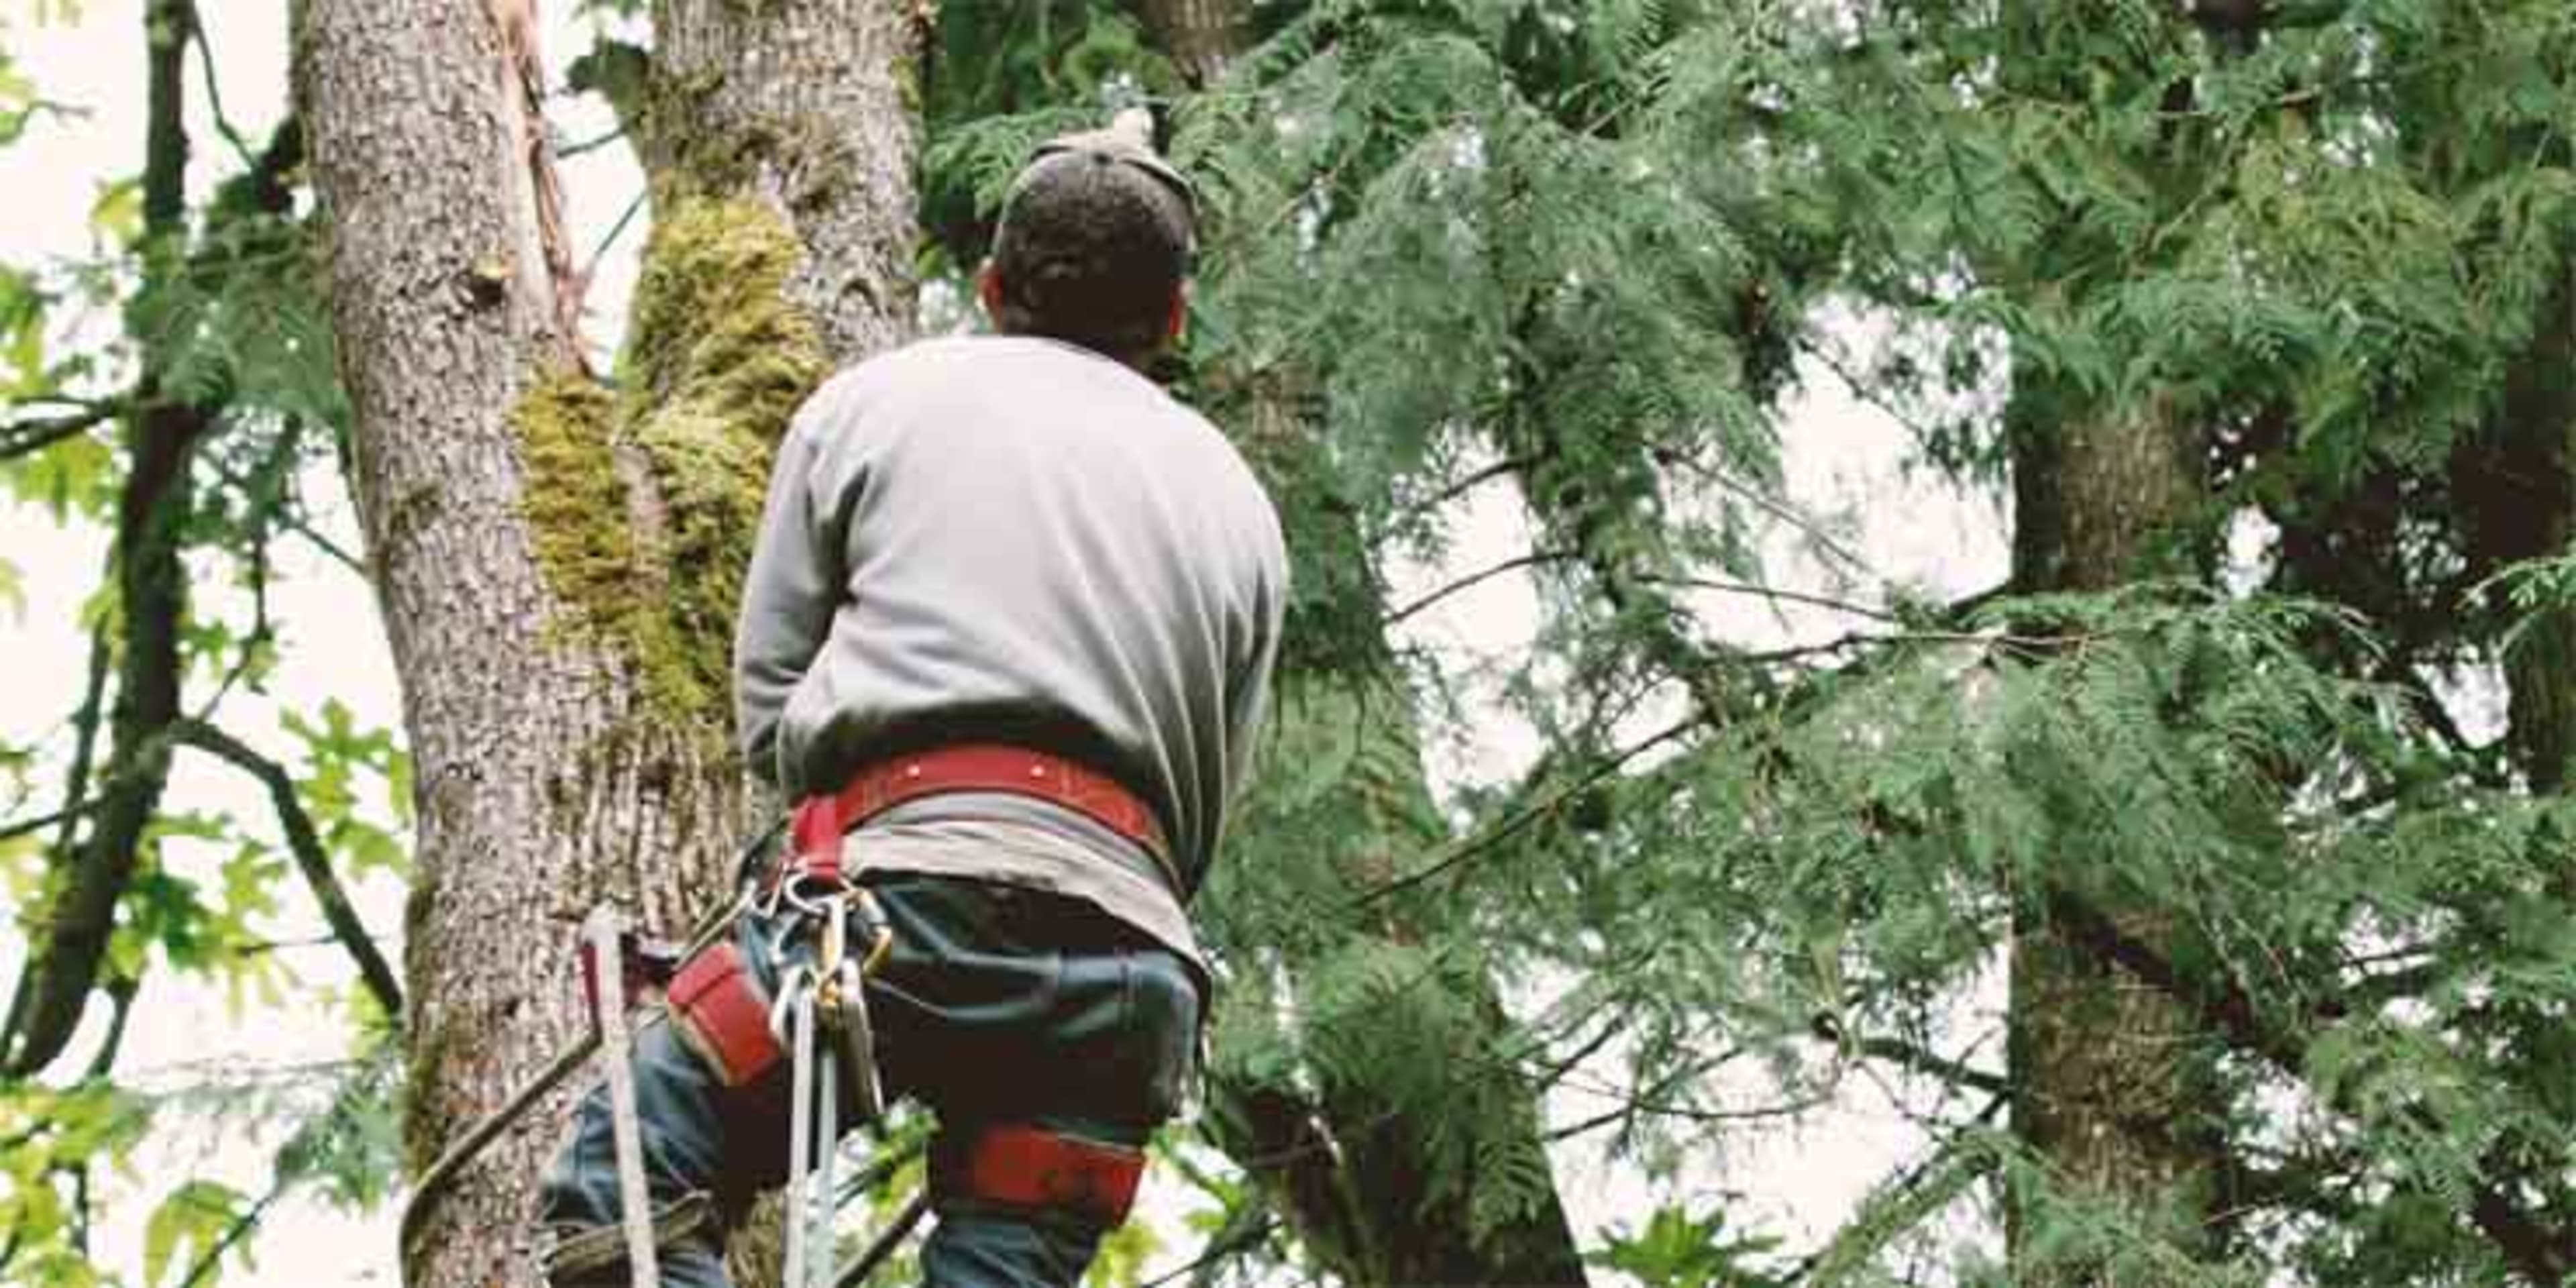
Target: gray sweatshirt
[(1006, 539)]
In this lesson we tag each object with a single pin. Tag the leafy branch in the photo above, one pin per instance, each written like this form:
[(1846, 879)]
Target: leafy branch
[(311, 858)]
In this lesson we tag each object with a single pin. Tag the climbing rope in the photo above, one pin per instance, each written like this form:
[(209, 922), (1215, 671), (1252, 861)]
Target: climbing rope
[(827, 996)]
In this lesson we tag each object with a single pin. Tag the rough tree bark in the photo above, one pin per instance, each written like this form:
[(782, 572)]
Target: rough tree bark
[(557, 561), (1352, 1177), (2111, 1075)]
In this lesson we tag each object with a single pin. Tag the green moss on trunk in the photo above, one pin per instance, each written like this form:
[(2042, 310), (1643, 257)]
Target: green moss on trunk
[(646, 502)]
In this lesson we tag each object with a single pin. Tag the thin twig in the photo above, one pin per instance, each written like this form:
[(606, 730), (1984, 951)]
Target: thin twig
[(215, 93), (571, 150), (11, 831), (615, 231), (1773, 593), (1474, 579), (234, 1233), (1781, 510), (1457, 853), (1469, 482), (1249, 1229)]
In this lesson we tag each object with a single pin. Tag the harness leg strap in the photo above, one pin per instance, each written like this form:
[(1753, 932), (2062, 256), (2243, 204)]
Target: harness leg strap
[(724, 1016), (1027, 1166)]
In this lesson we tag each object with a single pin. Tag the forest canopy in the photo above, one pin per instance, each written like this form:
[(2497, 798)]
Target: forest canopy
[(2200, 889)]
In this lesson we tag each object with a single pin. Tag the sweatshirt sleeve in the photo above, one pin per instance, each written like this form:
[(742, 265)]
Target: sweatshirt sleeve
[(789, 596)]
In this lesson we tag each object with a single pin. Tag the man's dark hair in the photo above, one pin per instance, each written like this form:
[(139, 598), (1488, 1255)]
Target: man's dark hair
[(1090, 249)]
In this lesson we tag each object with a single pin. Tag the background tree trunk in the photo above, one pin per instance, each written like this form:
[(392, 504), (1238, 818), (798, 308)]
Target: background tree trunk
[(556, 562), (156, 506), (2111, 1075)]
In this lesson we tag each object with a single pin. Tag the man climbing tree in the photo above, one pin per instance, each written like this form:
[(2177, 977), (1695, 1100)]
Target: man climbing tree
[(1010, 623)]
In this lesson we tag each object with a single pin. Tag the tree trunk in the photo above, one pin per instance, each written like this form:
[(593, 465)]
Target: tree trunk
[(2111, 1076), (557, 563), (1369, 1186), (154, 511), (1199, 36), (2531, 514)]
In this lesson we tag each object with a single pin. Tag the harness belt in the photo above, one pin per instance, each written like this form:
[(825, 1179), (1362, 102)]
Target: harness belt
[(1020, 1165), (820, 821)]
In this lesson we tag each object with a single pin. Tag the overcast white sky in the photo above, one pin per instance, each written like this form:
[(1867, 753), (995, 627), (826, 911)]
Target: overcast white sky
[(1911, 531)]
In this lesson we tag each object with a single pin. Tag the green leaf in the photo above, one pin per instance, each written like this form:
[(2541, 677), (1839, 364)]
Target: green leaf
[(117, 214), (23, 313), (76, 477), (13, 590), (188, 1225), (1678, 1250)]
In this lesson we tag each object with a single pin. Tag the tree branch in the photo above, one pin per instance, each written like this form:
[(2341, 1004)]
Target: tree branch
[(154, 510), (27, 437), (1474, 579), (1459, 852), (310, 856), (67, 814), (1906, 1055), (1773, 593)]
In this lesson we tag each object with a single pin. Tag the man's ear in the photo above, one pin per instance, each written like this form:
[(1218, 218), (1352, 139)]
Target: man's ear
[(1178, 323), (988, 288)]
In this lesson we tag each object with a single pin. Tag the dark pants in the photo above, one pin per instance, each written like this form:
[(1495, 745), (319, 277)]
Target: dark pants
[(998, 1005)]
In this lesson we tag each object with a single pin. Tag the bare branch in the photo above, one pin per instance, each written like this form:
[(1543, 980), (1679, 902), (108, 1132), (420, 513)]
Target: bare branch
[(1473, 579), (1775, 593), (310, 857), (67, 814), (1907, 1055), (1469, 482), (215, 96), (1460, 852), (27, 437)]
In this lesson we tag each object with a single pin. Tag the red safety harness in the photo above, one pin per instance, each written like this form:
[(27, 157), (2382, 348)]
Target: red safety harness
[(725, 1016), (821, 821)]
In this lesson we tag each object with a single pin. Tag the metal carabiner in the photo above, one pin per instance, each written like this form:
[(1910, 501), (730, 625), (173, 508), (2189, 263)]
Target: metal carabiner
[(850, 1023), (799, 1005), (793, 983)]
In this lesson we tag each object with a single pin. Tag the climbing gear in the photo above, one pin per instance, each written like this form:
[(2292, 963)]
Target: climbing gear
[(1024, 1165), (615, 963), (827, 935), (820, 822), (830, 993), (470, 1144), (722, 1015), (604, 1246), (604, 935)]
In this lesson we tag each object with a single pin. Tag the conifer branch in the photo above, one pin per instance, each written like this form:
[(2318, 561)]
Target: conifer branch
[(2538, 1251)]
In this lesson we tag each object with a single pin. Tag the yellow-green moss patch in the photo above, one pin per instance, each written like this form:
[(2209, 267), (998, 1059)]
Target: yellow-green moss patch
[(646, 502)]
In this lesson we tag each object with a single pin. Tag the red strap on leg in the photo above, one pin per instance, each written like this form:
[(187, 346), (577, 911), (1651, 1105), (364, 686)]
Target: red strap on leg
[(724, 1015), (1024, 1166)]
